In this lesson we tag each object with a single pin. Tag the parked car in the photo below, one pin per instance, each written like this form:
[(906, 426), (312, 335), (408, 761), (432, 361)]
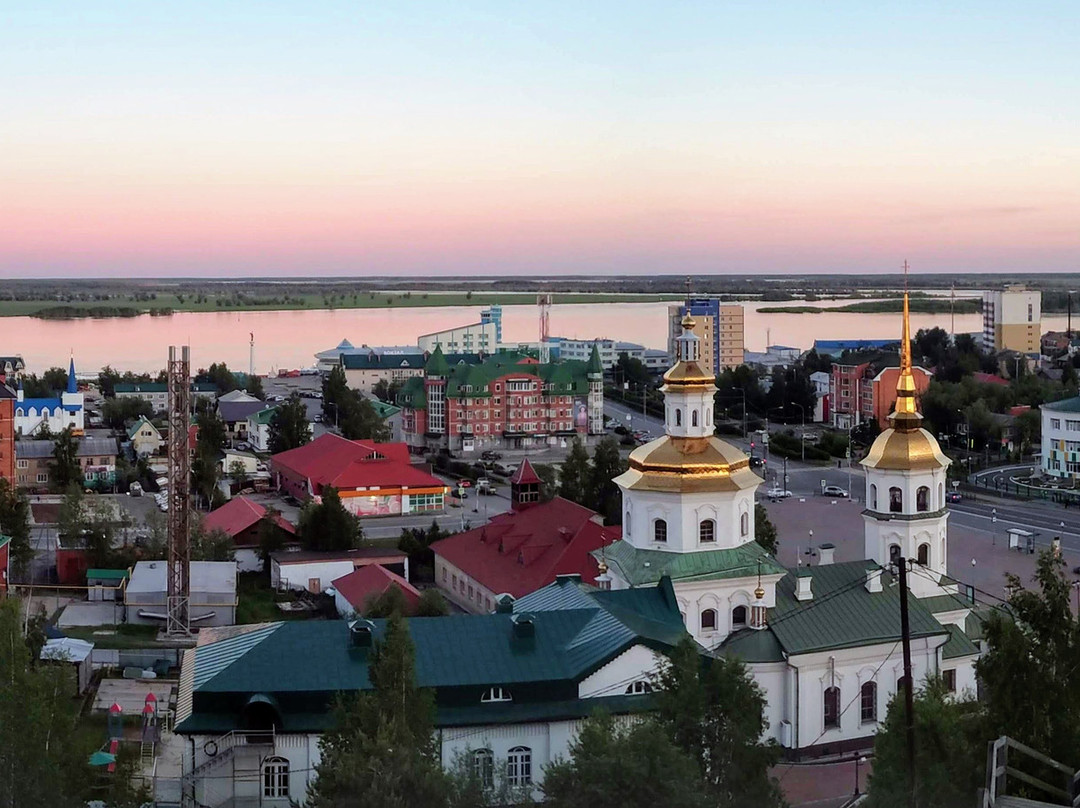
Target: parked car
[(953, 496), (756, 462), (483, 485), (489, 454), (135, 490), (243, 446), (834, 491), (778, 493)]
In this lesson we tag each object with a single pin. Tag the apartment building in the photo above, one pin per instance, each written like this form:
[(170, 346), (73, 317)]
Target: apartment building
[(863, 388), (718, 325), (1011, 320)]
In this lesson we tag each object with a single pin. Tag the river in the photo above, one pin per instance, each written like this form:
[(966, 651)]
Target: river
[(289, 339)]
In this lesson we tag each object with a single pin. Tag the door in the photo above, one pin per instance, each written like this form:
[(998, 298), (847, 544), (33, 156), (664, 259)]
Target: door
[(314, 586)]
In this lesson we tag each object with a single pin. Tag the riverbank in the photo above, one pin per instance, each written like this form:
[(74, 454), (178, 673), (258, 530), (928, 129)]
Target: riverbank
[(916, 305), (167, 304)]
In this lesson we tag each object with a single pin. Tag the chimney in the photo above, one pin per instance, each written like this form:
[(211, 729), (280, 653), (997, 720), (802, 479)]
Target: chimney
[(524, 625), (802, 590), (361, 633), (873, 580), (826, 551), (504, 604)]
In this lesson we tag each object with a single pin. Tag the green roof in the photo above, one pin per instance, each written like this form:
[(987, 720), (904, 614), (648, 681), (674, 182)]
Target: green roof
[(753, 645), (842, 613), (384, 410), (1065, 405), (264, 416), (106, 575), (642, 567), (473, 380), (945, 603), (595, 365), (135, 427), (436, 364), (412, 394), (958, 645)]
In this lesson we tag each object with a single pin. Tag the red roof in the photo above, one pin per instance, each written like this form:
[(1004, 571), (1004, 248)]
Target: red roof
[(331, 460), (365, 583), (521, 551), (990, 378), (525, 474), (238, 514)]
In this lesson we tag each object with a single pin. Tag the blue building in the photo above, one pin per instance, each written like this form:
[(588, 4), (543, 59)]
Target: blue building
[(56, 413), (835, 347)]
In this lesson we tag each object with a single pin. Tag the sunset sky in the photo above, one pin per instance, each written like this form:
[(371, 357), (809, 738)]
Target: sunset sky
[(232, 138)]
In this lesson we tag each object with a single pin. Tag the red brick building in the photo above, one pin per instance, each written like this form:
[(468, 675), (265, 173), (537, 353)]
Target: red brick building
[(863, 387), (7, 433)]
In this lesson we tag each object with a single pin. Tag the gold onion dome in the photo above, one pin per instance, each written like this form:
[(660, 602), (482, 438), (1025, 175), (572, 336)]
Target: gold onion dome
[(688, 465), (905, 445), (759, 593)]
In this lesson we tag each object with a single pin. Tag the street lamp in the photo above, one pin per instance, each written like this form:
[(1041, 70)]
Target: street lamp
[(802, 434)]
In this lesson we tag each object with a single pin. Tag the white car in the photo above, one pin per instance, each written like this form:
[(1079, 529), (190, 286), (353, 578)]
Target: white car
[(778, 493), (834, 491)]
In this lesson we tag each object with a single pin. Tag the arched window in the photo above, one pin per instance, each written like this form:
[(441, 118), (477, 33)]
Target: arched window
[(941, 495), (275, 777), (873, 496), (922, 498), (693, 418), (519, 766), (638, 688), (708, 417), (832, 707), (896, 500), (868, 702), (744, 524), (708, 620), (738, 616), (659, 530), (900, 684), (894, 553), (707, 531), (626, 526), (678, 417), (483, 766), (924, 554), (493, 694)]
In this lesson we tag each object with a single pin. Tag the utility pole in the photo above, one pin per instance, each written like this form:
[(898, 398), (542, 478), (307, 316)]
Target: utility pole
[(178, 592), (909, 701)]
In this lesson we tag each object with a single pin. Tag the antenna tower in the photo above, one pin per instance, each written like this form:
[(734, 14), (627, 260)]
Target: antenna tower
[(179, 553), (544, 302)]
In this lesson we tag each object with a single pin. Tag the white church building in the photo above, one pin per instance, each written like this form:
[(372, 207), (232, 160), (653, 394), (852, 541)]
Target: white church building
[(823, 641), (57, 413)]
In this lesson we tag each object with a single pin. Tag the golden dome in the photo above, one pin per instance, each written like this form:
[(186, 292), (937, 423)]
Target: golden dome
[(688, 465), (759, 593), (688, 322), (905, 449), (689, 374)]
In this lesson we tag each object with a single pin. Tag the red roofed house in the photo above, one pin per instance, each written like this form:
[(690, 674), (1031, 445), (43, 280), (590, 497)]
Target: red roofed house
[(373, 479), (239, 518), (521, 551), (354, 591)]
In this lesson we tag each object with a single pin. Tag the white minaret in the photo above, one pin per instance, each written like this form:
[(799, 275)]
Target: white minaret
[(688, 403), (906, 514)]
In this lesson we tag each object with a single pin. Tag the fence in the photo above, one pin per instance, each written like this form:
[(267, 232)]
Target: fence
[(1009, 488), (134, 657)]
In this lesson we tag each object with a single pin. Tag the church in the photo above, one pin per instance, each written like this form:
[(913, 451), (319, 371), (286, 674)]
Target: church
[(824, 641), (54, 415)]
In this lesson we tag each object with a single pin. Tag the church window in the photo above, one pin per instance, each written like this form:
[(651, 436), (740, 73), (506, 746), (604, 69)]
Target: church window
[(922, 499), (660, 530), (744, 524), (707, 531), (949, 677), (924, 554), (941, 494), (519, 766), (894, 553), (708, 620), (896, 500), (693, 418), (868, 702), (832, 707), (638, 688), (738, 616), (873, 496), (678, 417), (483, 761), (900, 684), (275, 771)]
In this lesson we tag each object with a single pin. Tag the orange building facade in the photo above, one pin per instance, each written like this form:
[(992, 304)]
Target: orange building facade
[(862, 391)]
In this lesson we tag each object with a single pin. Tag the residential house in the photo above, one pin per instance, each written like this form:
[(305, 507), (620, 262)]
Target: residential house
[(235, 415), (157, 393), (391, 416), (11, 368), (258, 428), (145, 438), (372, 479), (821, 381), (510, 687), (96, 456), (240, 518), (315, 570), (354, 591)]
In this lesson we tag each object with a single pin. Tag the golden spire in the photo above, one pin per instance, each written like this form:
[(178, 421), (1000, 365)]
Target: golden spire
[(905, 412)]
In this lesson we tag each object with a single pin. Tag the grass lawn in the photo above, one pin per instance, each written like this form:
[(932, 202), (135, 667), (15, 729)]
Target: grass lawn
[(258, 602), (127, 635)]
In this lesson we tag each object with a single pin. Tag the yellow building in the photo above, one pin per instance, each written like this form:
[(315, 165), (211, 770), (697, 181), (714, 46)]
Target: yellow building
[(1011, 320)]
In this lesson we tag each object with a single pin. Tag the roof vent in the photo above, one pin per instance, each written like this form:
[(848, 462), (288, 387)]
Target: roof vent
[(802, 591), (524, 625), (827, 550), (361, 633), (873, 580), (565, 533), (504, 604)]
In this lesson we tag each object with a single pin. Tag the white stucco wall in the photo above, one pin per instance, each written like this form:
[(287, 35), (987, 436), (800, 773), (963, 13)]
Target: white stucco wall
[(684, 515), (637, 663)]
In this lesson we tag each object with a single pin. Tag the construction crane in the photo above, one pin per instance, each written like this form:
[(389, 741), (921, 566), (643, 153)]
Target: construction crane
[(178, 593)]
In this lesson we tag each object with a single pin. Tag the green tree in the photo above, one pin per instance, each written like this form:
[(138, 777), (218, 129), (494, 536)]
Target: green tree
[(55, 379), (238, 473), (950, 751), (865, 433), (432, 604), (205, 473), (210, 545), (43, 761), (212, 434), (604, 496), (334, 389), (575, 474), (15, 523), (219, 375), (385, 390), (107, 380), (254, 387), (764, 530), (631, 370), (549, 480), (714, 711), (289, 426), (117, 412), (65, 469), (272, 537), (1027, 668), (635, 766), (358, 419), (388, 603), (382, 750), (327, 525)]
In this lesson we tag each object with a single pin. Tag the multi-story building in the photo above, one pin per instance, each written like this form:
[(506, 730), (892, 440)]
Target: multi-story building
[(863, 388), (157, 393), (8, 433), (610, 350), (34, 460), (364, 370), (1011, 320), (1061, 439), (718, 325), (53, 414), (507, 401), (474, 338), (11, 368)]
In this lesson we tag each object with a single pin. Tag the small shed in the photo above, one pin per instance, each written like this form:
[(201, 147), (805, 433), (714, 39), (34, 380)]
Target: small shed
[(74, 652), (103, 584), (1021, 540)]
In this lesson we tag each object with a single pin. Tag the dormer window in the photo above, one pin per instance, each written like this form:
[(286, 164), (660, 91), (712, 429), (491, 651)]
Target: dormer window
[(495, 694), (638, 688)]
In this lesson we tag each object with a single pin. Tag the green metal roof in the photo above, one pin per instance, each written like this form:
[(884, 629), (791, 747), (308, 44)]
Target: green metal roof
[(595, 365), (945, 603), (640, 567), (106, 575), (412, 394), (752, 645), (1065, 405), (264, 416), (384, 410), (135, 427), (958, 645), (842, 613), (436, 364)]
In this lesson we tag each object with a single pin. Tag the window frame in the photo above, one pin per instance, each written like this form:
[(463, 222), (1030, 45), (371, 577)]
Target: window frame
[(735, 620), (868, 706), (707, 526), (831, 699), (660, 531), (275, 778), (715, 619), (519, 766)]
